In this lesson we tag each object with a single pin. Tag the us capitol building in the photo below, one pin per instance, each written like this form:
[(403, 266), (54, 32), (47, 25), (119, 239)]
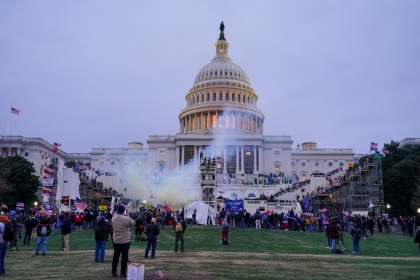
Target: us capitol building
[(221, 120)]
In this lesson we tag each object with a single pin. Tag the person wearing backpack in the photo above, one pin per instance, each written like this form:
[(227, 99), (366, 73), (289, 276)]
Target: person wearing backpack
[(43, 230), (102, 229), (3, 243), (179, 229), (139, 228), (357, 234)]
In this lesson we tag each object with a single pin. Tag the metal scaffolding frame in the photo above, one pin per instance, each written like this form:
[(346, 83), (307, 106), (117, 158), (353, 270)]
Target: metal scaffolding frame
[(361, 189)]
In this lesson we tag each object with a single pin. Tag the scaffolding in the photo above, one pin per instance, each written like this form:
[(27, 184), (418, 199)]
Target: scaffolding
[(93, 196), (359, 190), (208, 181)]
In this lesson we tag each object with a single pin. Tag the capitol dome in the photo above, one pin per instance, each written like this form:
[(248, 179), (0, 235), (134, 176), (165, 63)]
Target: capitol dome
[(221, 98)]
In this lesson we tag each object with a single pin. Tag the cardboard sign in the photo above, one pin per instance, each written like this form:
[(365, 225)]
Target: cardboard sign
[(135, 271)]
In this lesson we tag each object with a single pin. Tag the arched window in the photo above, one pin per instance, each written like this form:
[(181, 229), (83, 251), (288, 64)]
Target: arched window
[(214, 96), (251, 195), (233, 195), (227, 96), (208, 96), (220, 96)]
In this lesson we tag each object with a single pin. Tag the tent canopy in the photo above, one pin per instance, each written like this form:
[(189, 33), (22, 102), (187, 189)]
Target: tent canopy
[(203, 211)]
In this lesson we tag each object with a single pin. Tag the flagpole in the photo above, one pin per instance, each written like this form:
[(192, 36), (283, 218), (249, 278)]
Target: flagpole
[(8, 122)]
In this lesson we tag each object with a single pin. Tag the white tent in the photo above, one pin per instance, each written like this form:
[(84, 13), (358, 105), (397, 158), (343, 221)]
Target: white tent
[(203, 212)]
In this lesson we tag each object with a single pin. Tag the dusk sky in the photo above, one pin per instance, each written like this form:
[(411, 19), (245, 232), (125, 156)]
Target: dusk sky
[(100, 74)]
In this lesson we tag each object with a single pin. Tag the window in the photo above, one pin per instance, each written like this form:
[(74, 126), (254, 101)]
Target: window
[(330, 164), (214, 96), (248, 153), (249, 159), (233, 97), (227, 96), (239, 97), (26, 154), (248, 99), (161, 167), (101, 163), (243, 98), (208, 96), (293, 164), (316, 164), (198, 99), (341, 164), (202, 98), (304, 177), (276, 153), (194, 100), (112, 162), (303, 164), (162, 153), (231, 73), (277, 168), (220, 96), (225, 72)]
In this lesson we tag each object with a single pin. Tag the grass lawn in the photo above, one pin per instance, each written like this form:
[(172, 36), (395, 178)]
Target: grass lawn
[(253, 254)]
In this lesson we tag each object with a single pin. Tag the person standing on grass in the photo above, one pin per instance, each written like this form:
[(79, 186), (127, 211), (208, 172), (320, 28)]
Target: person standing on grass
[(102, 229), (65, 231), (333, 234), (194, 217), (225, 232), (179, 229), (28, 231), (121, 226), (152, 232), (43, 230), (3, 244), (417, 237), (357, 234)]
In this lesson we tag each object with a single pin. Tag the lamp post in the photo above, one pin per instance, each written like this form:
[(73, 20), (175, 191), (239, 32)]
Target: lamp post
[(387, 208)]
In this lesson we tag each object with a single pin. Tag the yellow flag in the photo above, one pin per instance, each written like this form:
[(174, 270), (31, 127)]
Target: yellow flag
[(149, 206), (351, 164), (103, 207)]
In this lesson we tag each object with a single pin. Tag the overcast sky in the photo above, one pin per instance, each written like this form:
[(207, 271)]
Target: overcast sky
[(99, 74)]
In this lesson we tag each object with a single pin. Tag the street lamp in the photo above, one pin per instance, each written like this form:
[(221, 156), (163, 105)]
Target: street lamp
[(418, 210), (36, 203)]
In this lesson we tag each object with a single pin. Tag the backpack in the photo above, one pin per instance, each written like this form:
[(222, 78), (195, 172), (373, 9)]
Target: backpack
[(8, 233), (100, 233), (232, 215), (178, 227), (357, 234), (44, 230)]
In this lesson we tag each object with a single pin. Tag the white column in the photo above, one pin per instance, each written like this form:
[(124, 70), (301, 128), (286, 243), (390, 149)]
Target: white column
[(201, 123), (242, 160), (224, 160), (255, 160), (182, 157), (237, 159), (261, 166), (176, 158), (195, 157), (217, 120)]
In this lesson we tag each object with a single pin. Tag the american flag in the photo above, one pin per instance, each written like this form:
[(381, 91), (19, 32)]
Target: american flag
[(57, 144), (373, 146), (385, 151), (80, 204), (14, 111), (152, 196), (158, 272)]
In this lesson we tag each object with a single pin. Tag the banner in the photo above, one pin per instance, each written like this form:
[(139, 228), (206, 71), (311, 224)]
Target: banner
[(103, 207), (48, 182), (235, 204)]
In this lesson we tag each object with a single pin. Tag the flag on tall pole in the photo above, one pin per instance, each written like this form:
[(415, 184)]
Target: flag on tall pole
[(13, 111), (373, 146), (79, 203)]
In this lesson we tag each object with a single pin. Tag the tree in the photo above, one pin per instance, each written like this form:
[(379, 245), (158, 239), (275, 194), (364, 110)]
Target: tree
[(17, 181), (401, 178)]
